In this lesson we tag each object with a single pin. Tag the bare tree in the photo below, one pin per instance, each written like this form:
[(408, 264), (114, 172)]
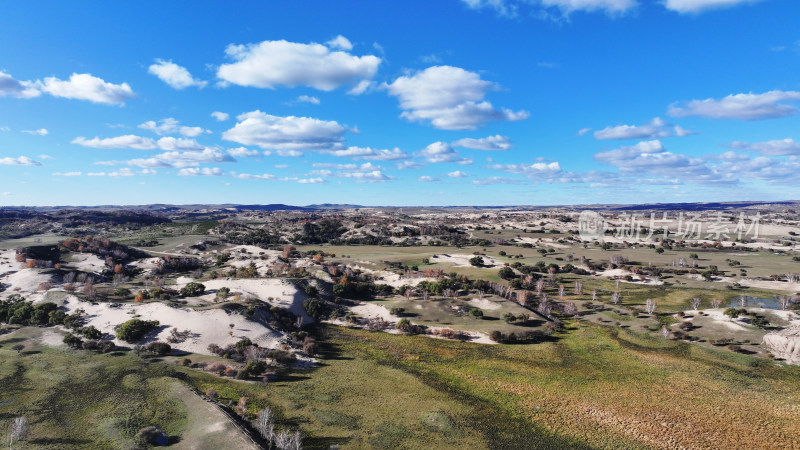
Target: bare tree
[(578, 288), (650, 306), (282, 440), (296, 441), (594, 295), (715, 303), (19, 430), (783, 301), (664, 332), (695, 303), (540, 287), (570, 309), (616, 297), (561, 291), (742, 301), (265, 425)]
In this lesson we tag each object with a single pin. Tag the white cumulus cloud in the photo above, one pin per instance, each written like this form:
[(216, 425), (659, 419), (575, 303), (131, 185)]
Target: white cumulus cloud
[(698, 6), (442, 152), (769, 105), (220, 116), (10, 87), (490, 143), (289, 133), (174, 75), (451, 98), (126, 141), (19, 161), (340, 42), (777, 147), (84, 86), (270, 64), (205, 172), (39, 132)]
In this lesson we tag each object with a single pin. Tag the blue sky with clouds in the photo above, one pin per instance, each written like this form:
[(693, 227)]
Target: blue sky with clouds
[(452, 102)]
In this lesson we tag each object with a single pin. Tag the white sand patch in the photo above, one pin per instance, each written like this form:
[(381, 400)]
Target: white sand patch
[(371, 310), (462, 260), (474, 336), (182, 281), (52, 338), (146, 264), (393, 279), (784, 344), (717, 316), (207, 327), (773, 285), (8, 263), (621, 273), (24, 281), (282, 292), (484, 303), (88, 262)]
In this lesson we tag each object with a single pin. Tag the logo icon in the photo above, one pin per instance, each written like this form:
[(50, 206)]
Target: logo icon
[(591, 226)]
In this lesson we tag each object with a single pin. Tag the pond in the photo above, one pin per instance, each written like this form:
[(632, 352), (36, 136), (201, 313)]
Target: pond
[(754, 302)]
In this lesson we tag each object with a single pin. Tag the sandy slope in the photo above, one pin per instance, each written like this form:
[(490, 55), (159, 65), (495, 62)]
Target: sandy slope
[(207, 327)]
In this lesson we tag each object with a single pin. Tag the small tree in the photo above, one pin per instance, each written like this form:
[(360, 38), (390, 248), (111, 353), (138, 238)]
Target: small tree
[(18, 348), (476, 313), (193, 289), (650, 306), (476, 261), (223, 293)]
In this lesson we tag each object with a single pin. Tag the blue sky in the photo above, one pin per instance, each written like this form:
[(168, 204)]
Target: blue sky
[(452, 102)]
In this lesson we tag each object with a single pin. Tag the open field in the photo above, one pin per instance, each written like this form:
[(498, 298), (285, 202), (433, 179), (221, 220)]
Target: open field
[(644, 344)]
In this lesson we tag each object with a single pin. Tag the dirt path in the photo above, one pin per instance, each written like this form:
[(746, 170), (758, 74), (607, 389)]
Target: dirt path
[(208, 427)]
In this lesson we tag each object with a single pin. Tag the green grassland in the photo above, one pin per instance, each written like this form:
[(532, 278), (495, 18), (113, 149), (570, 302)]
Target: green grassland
[(593, 387)]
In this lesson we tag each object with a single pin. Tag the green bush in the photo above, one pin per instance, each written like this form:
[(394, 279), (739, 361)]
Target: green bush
[(72, 340), (134, 330), (159, 348), (476, 313), (193, 289), (506, 273), (91, 332)]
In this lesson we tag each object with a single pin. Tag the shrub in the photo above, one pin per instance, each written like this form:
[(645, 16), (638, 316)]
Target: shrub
[(254, 368), (153, 435), (159, 348), (91, 332), (311, 291), (72, 340), (313, 307), (476, 313), (193, 289), (403, 324), (135, 329), (281, 356), (506, 273), (122, 292)]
